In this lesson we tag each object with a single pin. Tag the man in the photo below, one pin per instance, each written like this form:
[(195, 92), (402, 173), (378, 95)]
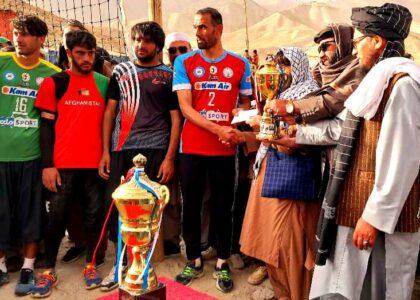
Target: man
[(177, 43), (143, 116), (20, 165), (377, 239), (208, 82), (72, 105)]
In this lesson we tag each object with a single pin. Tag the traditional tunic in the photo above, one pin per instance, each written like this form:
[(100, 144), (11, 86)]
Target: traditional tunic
[(397, 160)]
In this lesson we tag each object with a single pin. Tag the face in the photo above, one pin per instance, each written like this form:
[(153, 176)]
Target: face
[(207, 34), (82, 59), (26, 44), (177, 48), (327, 50), (368, 47), (144, 48), (285, 69)]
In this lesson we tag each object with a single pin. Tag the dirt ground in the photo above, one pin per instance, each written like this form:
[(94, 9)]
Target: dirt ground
[(71, 287)]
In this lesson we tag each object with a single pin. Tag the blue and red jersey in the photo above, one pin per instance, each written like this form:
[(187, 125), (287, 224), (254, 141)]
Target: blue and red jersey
[(215, 86)]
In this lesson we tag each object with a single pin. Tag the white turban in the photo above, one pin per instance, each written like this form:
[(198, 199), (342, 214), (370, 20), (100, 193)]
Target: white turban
[(176, 36)]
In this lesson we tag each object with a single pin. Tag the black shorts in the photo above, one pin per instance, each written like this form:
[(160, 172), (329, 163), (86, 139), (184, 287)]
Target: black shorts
[(20, 202), (121, 162)]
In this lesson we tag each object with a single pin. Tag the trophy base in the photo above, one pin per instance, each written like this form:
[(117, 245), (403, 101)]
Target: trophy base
[(158, 294)]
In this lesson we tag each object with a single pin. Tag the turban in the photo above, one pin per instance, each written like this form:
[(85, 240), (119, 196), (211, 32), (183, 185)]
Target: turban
[(176, 36)]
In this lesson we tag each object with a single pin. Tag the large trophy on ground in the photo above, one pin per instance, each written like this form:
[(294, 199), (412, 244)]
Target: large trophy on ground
[(140, 203), (268, 80)]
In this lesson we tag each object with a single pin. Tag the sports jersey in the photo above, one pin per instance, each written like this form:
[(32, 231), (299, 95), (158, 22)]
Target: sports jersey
[(79, 115), (145, 100), (19, 120), (215, 86)]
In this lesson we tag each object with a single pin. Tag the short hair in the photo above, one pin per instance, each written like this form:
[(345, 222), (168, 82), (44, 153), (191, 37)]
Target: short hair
[(151, 30), (75, 23), (255, 51), (30, 24), (216, 17), (80, 38)]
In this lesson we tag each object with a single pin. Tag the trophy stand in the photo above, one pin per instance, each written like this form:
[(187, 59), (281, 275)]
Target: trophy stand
[(158, 294)]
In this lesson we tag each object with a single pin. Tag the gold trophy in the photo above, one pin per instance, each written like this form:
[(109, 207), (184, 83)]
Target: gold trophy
[(140, 203), (268, 83)]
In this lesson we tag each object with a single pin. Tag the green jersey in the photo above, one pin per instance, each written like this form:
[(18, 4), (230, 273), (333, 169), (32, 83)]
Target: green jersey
[(19, 119)]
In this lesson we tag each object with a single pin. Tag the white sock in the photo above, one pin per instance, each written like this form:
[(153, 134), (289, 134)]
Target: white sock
[(3, 267), (197, 262), (28, 263), (220, 262)]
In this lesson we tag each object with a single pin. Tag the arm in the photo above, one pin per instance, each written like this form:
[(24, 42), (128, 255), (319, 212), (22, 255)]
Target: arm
[(107, 128), (321, 133), (166, 170)]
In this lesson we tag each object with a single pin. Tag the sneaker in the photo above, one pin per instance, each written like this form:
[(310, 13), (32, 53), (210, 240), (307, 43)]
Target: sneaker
[(73, 254), (4, 277), (44, 285), (26, 282), (189, 273), (258, 276), (108, 283), (91, 277), (237, 262), (209, 253), (224, 281)]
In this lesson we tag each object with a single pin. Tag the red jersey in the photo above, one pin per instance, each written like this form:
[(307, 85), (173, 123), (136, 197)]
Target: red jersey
[(79, 115), (215, 86)]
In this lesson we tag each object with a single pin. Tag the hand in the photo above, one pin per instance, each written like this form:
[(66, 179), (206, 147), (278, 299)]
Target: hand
[(235, 111), (51, 178), (277, 107), (237, 138), (254, 122), (226, 134), (362, 233), (166, 170), (104, 166), (288, 119)]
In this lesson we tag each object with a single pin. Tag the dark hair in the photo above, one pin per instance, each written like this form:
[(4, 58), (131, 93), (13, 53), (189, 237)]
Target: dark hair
[(151, 30), (75, 23), (30, 24), (216, 17), (80, 38), (255, 51)]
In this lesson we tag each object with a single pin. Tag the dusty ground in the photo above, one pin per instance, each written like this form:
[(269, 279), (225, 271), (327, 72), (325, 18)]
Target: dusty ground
[(71, 286)]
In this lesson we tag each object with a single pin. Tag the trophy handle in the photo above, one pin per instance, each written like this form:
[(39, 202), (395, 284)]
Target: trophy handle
[(164, 195)]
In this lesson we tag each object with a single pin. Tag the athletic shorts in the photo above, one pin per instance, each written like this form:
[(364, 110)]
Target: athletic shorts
[(20, 202)]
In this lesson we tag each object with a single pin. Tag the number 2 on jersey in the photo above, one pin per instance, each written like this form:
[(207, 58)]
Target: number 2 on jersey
[(212, 95)]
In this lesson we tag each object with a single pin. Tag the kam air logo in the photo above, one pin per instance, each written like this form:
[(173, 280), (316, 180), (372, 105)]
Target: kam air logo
[(18, 91), (213, 85)]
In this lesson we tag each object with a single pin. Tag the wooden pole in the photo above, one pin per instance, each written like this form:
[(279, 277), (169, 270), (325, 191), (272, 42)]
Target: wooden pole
[(155, 11), (246, 26)]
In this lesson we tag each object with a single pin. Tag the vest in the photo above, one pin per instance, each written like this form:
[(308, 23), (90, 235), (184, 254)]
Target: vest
[(360, 179)]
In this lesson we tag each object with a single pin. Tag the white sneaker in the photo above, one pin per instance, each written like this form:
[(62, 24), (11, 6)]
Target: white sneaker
[(237, 262), (108, 283)]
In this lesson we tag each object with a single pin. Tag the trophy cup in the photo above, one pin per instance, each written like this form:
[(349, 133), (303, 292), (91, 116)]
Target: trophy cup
[(140, 203), (268, 80)]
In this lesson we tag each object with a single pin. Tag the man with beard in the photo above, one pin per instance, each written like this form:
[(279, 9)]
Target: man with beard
[(209, 82), (72, 105), (20, 165), (177, 43), (373, 193), (143, 116)]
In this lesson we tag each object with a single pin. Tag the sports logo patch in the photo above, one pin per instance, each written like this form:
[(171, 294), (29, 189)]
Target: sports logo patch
[(216, 116), (9, 76), (213, 70), (18, 91), (199, 72), (213, 85), (26, 77), (227, 72)]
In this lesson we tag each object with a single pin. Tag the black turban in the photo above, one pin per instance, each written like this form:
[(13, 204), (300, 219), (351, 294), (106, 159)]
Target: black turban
[(390, 21)]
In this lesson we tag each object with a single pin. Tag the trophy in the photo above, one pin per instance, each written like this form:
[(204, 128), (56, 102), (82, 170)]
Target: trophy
[(140, 203), (268, 80)]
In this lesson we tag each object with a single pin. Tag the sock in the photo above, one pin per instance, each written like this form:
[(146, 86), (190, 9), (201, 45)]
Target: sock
[(197, 262), (3, 267), (220, 262), (28, 263)]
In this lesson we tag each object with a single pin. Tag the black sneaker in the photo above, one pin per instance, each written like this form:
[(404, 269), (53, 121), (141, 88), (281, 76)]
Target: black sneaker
[(224, 281), (73, 254), (189, 273)]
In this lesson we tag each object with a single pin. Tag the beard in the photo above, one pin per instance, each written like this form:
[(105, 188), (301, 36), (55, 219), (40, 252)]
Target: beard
[(148, 57), (206, 44), (80, 69)]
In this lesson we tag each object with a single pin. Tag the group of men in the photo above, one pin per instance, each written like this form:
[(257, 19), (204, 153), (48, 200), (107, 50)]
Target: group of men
[(73, 133)]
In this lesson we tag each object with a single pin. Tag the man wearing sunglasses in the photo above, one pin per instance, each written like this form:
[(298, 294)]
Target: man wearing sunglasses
[(177, 43)]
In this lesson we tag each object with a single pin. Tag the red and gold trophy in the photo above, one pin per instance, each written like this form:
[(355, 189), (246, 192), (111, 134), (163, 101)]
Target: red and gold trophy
[(140, 203)]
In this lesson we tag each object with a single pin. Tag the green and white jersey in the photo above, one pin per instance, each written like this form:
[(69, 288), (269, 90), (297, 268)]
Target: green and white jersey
[(19, 120)]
